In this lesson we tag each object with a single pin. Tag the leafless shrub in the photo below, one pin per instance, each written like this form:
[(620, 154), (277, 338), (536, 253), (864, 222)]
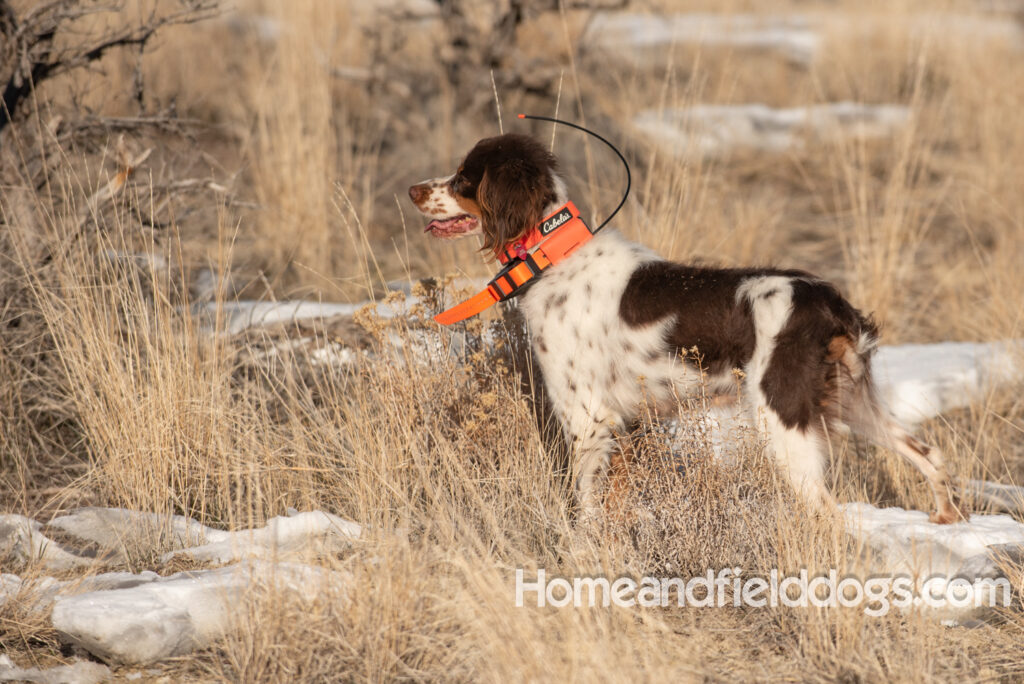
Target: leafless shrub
[(475, 50), (42, 42)]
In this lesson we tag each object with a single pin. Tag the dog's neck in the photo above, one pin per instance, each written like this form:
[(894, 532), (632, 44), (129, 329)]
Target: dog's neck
[(561, 195), (557, 215)]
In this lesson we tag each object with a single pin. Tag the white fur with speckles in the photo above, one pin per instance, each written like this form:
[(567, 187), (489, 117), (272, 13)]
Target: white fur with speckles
[(596, 369)]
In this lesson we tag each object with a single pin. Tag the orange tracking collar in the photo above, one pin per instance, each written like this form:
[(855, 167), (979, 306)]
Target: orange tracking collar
[(552, 241)]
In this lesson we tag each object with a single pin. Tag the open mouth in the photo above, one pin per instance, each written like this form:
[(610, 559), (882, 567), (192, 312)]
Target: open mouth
[(451, 227)]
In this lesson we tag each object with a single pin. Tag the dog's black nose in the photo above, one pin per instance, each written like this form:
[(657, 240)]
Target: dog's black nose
[(418, 193)]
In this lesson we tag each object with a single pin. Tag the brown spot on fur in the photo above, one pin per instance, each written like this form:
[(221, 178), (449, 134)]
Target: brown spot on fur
[(919, 448), (708, 317), (468, 205), (801, 380), (723, 400), (419, 193), (837, 348)]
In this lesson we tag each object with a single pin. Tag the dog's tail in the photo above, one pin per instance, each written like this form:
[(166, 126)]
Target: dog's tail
[(853, 395)]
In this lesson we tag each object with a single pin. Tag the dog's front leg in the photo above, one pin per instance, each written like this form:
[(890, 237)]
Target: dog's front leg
[(592, 445)]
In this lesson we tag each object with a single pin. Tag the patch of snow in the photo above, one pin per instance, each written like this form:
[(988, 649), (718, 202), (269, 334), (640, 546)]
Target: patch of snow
[(714, 130), (791, 35), (171, 616), (111, 528), (242, 314), (920, 381), (1001, 496), (136, 618), (37, 593), (797, 37), (237, 316), (80, 672), (302, 533), (40, 592), (334, 355), (906, 543), (22, 538)]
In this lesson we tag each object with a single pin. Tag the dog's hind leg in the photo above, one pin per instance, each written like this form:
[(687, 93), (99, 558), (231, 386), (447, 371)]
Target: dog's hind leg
[(929, 461), (800, 455), (886, 431), (778, 386), (857, 405)]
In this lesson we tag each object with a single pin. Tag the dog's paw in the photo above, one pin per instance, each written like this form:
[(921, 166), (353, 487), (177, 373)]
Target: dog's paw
[(949, 515)]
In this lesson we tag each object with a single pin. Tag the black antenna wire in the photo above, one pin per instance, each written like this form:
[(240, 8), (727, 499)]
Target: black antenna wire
[(629, 177)]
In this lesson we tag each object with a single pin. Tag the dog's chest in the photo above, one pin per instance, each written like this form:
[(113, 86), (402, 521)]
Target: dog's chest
[(589, 356)]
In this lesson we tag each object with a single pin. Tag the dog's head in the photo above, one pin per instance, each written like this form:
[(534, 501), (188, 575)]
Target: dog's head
[(501, 189)]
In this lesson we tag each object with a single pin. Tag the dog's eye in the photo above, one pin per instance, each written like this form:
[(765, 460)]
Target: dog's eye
[(459, 184)]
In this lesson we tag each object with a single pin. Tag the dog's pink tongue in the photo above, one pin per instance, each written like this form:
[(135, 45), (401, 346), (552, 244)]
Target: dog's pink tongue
[(442, 225), (435, 224)]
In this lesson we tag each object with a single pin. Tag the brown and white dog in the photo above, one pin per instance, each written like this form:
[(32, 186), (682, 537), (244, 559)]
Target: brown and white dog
[(614, 325)]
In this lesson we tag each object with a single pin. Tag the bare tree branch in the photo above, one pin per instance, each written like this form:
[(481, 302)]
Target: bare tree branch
[(30, 56)]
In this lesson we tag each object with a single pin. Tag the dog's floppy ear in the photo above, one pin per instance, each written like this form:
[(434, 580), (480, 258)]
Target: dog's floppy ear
[(512, 196)]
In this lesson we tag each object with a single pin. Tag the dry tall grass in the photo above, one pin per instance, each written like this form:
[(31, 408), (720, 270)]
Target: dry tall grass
[(113, 395)]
